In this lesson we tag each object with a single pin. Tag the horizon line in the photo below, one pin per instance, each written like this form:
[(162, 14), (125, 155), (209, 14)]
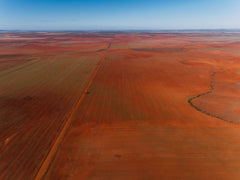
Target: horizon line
[(117, 30)]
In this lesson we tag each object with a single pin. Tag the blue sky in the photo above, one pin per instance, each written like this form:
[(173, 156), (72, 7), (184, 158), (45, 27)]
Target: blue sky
[(119, 14)]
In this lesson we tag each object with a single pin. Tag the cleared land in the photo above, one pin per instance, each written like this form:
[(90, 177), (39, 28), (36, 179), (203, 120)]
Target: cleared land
[(36, 98), (140, 105)]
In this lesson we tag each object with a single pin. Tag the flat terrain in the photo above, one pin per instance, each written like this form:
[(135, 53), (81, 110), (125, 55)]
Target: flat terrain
[(120, 105)]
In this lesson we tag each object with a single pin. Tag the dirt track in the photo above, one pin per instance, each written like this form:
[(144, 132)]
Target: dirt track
[(55, 148)]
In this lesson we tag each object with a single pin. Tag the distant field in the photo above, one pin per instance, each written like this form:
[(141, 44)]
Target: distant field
[(120, 105)]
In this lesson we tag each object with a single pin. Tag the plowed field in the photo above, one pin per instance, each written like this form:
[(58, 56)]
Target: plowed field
[(120, 105)]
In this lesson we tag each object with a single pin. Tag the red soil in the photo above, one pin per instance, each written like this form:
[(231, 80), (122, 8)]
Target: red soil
[(159, 106), (36, 98)]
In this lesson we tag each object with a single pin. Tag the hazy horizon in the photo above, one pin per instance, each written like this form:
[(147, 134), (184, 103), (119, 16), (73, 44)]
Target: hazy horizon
[(122, 30), (96, 15)]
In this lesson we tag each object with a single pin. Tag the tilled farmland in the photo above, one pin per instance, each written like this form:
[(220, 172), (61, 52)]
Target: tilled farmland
[(120, 105)]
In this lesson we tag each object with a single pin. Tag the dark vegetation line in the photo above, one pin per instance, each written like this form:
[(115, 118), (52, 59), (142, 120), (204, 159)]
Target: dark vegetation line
[(212, 83), (109, 45), (101, 50), (159, 49)]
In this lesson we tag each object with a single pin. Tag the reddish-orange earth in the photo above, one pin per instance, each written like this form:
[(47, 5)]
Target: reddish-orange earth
[(120, 105)]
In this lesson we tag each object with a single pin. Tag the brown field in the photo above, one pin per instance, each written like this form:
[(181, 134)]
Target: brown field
[(120, 105)]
